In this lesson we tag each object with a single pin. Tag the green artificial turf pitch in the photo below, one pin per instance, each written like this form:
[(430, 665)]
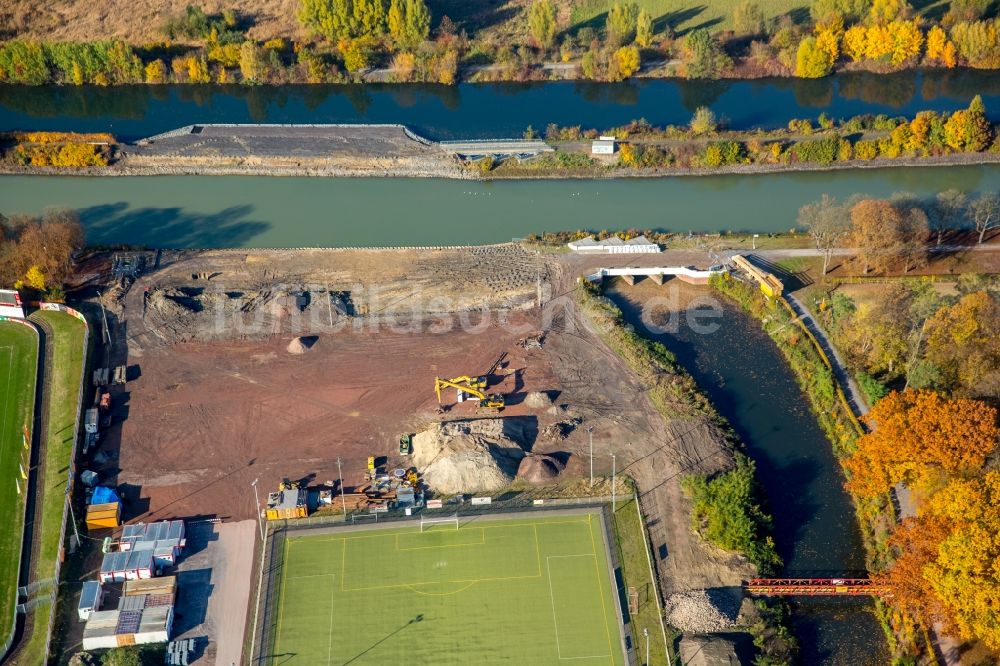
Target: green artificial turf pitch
[(527, 590), (18, 367)]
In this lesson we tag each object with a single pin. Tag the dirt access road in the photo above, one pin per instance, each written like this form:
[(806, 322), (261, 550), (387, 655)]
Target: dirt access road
[(209, 409)]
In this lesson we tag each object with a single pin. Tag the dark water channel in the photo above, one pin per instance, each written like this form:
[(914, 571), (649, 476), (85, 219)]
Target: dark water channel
[(473, 110), (751, 385)]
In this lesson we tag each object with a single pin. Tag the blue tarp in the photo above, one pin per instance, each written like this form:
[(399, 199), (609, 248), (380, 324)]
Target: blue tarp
[(103, 495)]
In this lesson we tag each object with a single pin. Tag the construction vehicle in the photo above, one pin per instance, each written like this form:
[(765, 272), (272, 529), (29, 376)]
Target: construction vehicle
[(489, 401), (405, 445), (372, 468)]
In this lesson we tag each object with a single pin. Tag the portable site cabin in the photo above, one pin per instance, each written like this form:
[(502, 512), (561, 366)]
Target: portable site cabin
[(286, 504), (117, 628), (165, 539), (155, 591), (90, 599), (128, 565)]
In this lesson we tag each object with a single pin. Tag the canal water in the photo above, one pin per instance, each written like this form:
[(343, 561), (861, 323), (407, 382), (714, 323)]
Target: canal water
[(261, 211), (491, 110), (750, 383)]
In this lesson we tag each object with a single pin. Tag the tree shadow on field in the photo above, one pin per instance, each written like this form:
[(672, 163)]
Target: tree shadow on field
[(418, 618)]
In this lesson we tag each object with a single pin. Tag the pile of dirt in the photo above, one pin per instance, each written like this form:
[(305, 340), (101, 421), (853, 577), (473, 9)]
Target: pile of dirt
[(469, 456), (539, 469), (301, 345), (560, 430), (538, 400), (697, 612)]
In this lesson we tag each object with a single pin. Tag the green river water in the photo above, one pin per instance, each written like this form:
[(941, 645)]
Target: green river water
[(252, 211)]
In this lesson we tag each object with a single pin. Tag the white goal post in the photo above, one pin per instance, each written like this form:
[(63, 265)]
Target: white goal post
[(445, 520)]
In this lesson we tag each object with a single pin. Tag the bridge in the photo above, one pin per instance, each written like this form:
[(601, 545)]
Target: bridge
[(658, 274), (816, 587)]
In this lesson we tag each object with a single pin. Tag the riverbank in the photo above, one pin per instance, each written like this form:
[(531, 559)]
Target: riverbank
[(443, 166)]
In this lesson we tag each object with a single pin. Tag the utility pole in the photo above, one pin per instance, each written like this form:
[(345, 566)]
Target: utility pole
[(256, 499), (590, 431), (340, 479), (614, 473)]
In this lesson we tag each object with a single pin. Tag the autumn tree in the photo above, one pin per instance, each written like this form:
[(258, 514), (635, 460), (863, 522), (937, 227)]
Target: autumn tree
[(914, 546), (965, 576), (343, 19), (963, 341), (878, 233), (940, 49), (828, 223), (46, 243), (703, 121), (877, 337), (969, 130), (625, 62), (918, 435), (812, 61), (252, 62), (542, 23), (984, 211), (883, 12)]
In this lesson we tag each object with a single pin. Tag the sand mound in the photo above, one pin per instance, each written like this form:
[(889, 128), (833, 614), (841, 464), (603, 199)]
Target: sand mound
[(538, 400), (539, 469), (301, 345), (469, 456)]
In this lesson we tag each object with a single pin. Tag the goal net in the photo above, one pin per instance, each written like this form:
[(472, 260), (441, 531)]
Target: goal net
[(426, 523)]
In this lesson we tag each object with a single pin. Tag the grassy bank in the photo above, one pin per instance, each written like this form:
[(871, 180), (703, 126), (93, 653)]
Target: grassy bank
[(633, 554), (64, 373)]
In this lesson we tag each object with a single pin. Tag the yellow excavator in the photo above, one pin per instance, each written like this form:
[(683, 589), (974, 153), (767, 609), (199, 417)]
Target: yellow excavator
[(473, 386)]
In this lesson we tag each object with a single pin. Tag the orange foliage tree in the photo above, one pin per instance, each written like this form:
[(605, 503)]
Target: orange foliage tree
[(963, 341), (918, 435), (914, 546)]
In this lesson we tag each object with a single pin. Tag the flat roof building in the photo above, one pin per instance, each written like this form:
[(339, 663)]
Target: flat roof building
[(614, 245)]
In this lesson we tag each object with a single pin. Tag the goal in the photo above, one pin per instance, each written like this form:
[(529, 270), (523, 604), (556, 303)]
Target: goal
[(425, 523)]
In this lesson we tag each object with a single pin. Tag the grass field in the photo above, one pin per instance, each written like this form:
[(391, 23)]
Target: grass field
[(18, 365), (529, 590), (65, 373)]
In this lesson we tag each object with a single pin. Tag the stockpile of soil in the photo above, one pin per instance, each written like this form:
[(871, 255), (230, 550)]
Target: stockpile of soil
[(538, 400), (469, 456), (696, 612), (301, 345), (539, 469)]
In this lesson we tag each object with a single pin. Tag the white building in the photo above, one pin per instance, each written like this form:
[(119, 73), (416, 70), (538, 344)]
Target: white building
[(10, 304), (605, 145), (614, 245)]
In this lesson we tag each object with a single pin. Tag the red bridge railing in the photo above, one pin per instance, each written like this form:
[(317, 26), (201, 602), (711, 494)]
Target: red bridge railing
[(815, 587)]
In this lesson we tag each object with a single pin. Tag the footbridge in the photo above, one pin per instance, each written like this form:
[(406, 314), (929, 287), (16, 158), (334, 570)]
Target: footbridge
[(659, 274), (816, 587)]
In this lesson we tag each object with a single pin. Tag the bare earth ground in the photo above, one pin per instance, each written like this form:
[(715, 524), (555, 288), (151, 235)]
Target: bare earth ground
[(137, 21), (208, 410)]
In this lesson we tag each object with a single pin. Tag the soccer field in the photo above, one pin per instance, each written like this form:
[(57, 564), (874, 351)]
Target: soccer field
[(528, 590), (18, 368)]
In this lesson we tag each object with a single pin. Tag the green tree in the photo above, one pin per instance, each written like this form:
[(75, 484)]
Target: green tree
[(748, 18), (703, 55), (396, 21), (343, 19), (418, 21), (644, 29), (621, 23), (542, 23)]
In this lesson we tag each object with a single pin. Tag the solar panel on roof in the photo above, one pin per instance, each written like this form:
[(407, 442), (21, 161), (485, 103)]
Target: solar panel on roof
[(128, 622)]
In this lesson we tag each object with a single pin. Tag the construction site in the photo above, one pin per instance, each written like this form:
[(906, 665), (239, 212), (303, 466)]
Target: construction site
[(277, 385)]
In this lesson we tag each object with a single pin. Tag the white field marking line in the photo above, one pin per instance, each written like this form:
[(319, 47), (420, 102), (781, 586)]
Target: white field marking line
[(552, 597), (310, 576), (329, 642)]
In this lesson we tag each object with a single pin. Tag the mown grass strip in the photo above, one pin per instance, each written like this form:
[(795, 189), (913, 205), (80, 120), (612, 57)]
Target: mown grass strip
[(65, 373)]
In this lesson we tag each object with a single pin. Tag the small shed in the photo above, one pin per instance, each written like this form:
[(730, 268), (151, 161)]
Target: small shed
[(605, 145), (286, 504), (90, 599)]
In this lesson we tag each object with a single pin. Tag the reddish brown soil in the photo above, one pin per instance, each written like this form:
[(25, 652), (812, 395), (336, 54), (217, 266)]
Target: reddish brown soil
[(205, 419)]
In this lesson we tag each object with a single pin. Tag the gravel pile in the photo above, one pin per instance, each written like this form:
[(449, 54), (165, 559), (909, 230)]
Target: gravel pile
[(698, 613), (469, 456)]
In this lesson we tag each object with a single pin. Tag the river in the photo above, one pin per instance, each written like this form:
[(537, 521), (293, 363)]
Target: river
[(491, 110), (261, 211), (750, 383)]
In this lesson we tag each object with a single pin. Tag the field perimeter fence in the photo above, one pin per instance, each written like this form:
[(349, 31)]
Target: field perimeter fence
[(272, 567)]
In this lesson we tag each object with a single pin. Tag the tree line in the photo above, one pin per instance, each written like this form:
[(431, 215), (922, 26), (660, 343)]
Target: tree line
[(36, 252)]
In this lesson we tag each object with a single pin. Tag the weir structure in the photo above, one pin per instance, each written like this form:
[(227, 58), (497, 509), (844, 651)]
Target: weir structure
[(658, 274)]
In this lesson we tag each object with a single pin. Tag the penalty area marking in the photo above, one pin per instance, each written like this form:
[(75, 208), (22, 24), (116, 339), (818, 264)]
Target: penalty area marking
[(555, 621)]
